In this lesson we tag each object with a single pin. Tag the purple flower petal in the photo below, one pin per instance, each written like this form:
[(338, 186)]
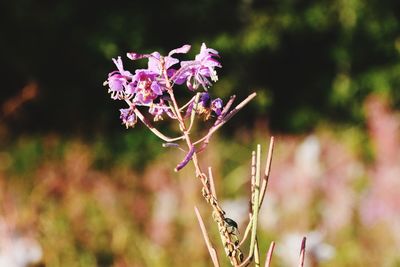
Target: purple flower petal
[(154, 63), (120, 66), (197, 72), (181, 50), (170, 61), (216, 106), (128, 117), (186, 159), (156, 88), (136, 56), (116, 82)]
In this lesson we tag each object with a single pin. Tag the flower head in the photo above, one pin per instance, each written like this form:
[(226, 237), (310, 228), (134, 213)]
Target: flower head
[(118, 80), (197, 72), (116, 83), (128, 117), (145, 87), (148, 84), (157, 62), (158, 109)]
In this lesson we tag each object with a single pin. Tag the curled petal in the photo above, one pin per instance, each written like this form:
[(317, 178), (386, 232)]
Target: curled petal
[(217, 105), (170, 145), (136, 56), (192, 85), (154, 63), (120, 67), (186, 160), (204, 52), (118, 63), (170, 61), (181, 50)]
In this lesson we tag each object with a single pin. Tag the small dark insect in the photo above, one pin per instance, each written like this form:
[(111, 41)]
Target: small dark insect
[(241, 256), (231, 222)]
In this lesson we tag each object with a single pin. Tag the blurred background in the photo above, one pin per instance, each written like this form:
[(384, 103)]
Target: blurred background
[(78, 189)]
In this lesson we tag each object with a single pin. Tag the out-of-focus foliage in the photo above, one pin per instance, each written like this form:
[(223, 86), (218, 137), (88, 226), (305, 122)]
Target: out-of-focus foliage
[(308, 60)]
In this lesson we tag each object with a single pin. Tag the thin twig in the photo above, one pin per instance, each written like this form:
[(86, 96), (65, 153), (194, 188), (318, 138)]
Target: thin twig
[(302, 252), (187, 104), (211, 250), (252, 181), (247, 231), (173, 111), (267, 170), (212, 185), (269, 254), (218, 121), (225, 109), (240, 106), (253, 177), (255, 208), (192, 116), (151, 128), (256, 254)]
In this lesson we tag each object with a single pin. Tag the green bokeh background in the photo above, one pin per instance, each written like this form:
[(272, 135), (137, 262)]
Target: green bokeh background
[(308, 60)]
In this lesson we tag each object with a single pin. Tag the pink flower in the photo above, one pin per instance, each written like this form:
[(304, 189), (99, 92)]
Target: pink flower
[(118, 80), (196, 72), (128, 117), (145, 87)]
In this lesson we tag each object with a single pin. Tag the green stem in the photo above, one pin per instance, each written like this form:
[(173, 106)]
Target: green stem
[(256, 202)]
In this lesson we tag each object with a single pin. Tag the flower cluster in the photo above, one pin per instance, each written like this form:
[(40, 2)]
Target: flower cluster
[(152, 87)]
